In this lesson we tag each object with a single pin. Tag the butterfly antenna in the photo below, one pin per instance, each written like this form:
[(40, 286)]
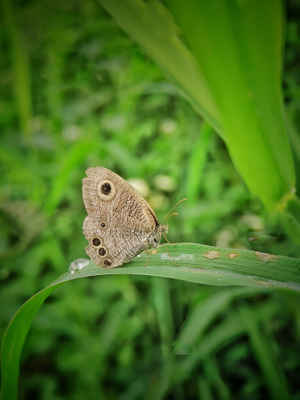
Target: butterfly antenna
[(165, 236), (166, 217), (169, 213)]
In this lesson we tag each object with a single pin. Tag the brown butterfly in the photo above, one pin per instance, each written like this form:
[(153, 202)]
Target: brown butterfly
[(120, 224)]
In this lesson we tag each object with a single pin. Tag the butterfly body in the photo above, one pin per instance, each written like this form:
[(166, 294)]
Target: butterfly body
[(120, 224)]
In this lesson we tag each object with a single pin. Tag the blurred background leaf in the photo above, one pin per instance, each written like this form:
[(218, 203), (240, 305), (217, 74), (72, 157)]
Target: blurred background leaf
[(77, 92), (226, 58)]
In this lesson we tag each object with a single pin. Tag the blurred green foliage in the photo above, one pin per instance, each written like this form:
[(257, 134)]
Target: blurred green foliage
[(76, 92)]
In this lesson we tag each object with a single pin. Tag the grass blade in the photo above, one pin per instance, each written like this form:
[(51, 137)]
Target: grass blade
[(198, 263)]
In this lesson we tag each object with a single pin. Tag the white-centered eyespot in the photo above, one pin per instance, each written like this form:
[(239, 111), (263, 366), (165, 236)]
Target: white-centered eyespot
[(106, 190), (96, 241), (102, 251), (107, 262)]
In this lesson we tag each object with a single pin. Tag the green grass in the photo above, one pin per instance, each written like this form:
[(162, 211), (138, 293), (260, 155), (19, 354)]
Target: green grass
[(76, 92)]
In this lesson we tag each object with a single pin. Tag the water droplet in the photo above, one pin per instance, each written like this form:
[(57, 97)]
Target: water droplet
[(78, 264)]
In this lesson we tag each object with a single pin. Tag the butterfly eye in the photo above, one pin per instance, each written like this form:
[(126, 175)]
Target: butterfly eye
[(96, 242), (102, 251)]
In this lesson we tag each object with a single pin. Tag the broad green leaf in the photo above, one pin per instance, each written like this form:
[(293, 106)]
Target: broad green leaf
[(243, 71), (198, 263), (226, 58), (152, 26)]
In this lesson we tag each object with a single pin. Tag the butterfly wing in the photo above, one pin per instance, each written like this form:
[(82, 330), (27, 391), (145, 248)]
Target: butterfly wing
[(119, 220), (111, 247)]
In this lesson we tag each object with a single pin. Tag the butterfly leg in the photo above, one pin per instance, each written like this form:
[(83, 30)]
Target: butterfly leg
[(170, 255), (165, 236), (147, 251)]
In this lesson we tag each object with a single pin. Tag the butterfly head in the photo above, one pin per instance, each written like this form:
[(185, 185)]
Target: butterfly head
[(155, 237)]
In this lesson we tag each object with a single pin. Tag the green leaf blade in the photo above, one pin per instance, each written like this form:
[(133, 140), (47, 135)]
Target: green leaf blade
[(226, 58), (243, 72), (13, 341), (198, 263)]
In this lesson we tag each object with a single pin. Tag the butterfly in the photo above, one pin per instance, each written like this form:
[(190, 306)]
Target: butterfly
[(120, 223)]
